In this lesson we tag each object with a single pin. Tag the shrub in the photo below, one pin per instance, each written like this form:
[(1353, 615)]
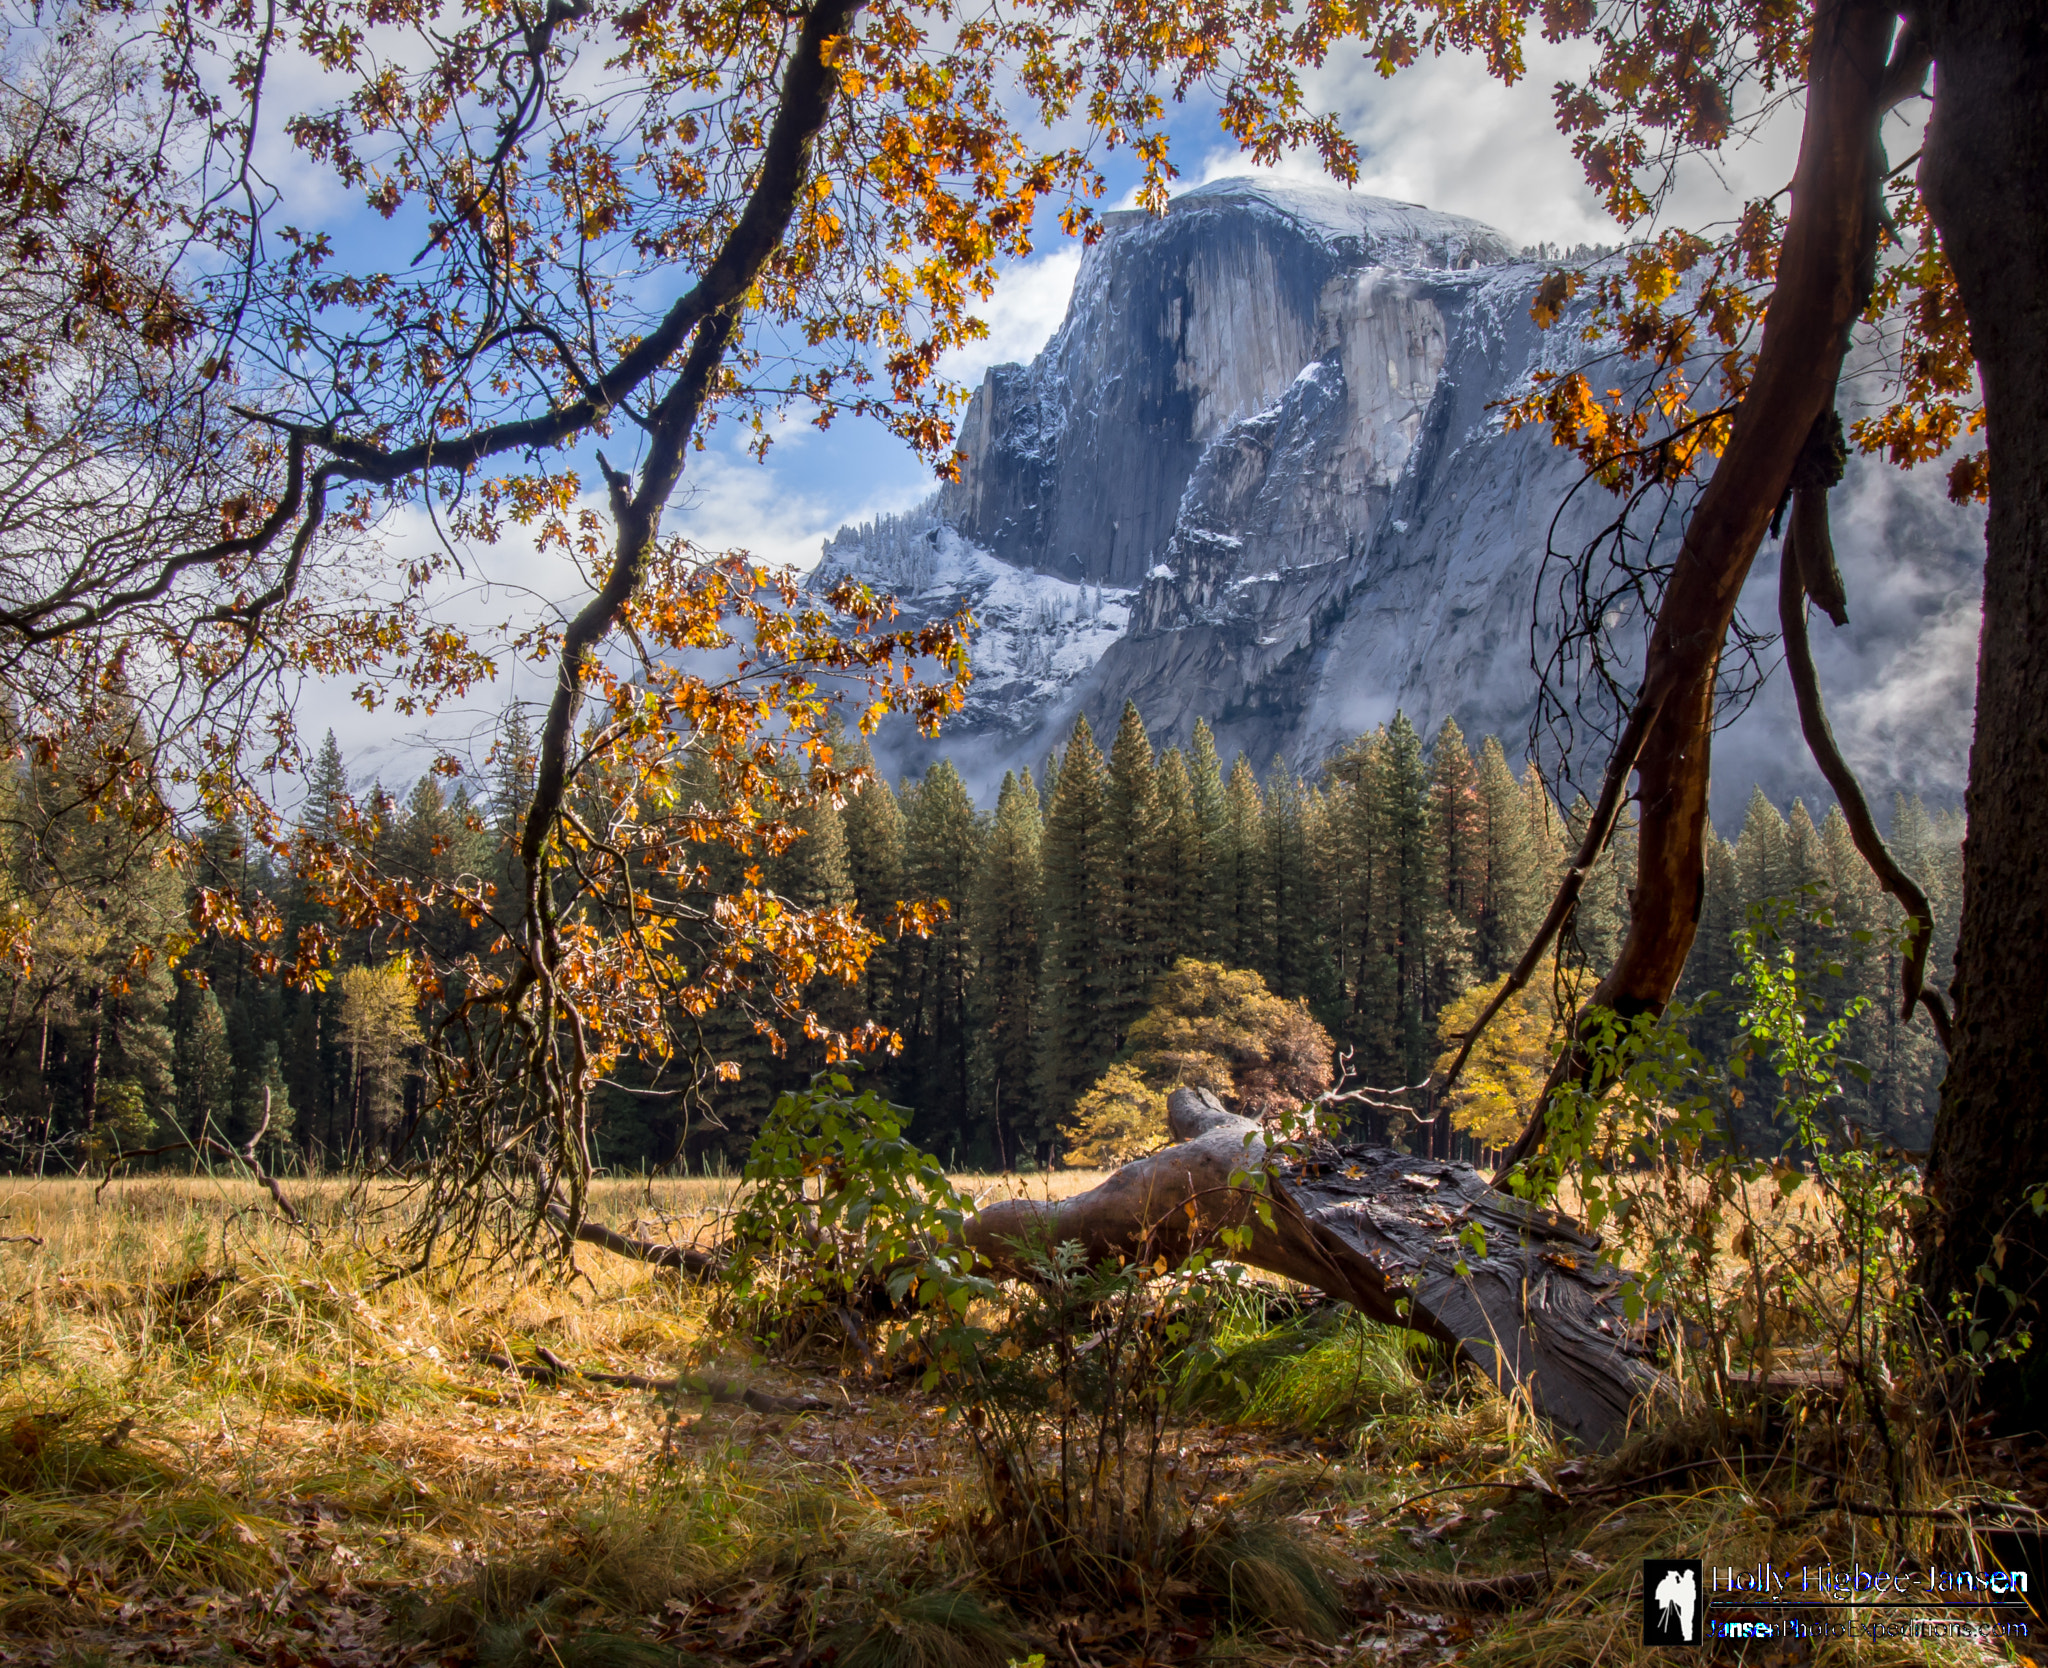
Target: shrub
[(1075, 1400), (1801, 1255), (1121, 1118), (1209, 1027), (844, 1215)]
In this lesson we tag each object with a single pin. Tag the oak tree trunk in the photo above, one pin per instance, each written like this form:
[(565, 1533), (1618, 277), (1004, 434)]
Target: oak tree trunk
[(1985, 176), (1823, 278)]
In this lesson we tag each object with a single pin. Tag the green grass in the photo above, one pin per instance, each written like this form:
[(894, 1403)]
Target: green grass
[(949, 1628), (1327, 1369)]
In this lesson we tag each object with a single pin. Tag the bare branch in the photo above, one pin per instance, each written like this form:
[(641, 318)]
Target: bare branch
[(1810, 512)]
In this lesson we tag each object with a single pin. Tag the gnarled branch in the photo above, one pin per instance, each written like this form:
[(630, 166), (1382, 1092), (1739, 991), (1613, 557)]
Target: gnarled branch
[(1809, 520)]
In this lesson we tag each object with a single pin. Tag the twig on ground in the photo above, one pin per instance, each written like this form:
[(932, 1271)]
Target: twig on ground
[(551, 1367), (211, 1144)]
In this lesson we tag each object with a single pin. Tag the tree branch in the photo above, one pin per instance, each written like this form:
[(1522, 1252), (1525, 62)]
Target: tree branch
[(210, 1144), (1810, 510), (1825, 270)]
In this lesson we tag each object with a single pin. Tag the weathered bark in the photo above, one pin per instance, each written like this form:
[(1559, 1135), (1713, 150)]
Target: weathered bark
[(1824, 271), (1986, 159), (1537, 1311)]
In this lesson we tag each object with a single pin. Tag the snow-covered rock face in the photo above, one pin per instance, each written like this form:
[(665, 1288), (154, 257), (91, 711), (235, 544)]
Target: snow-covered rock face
[(1258, 477), (1180, 326), (1034, 636)]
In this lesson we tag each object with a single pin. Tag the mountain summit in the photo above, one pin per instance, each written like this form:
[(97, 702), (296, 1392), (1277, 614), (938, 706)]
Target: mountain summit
[(1258, 476)]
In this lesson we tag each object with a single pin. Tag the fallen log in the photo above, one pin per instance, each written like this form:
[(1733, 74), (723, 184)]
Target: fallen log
[(1534, 1308)]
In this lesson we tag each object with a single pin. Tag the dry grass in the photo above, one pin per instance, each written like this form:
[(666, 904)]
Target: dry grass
[(195, 1397), (195, 1401)]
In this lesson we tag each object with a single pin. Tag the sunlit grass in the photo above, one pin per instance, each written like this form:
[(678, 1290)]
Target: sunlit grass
[(196, 1398)]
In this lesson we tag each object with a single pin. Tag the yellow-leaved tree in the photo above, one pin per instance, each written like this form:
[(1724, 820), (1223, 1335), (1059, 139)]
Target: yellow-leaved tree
[(1209, 1027), (377, 1023), (613, 226), (1494, 1095)]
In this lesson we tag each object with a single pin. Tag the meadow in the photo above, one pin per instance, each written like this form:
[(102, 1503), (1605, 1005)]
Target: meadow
[(223, 1439)]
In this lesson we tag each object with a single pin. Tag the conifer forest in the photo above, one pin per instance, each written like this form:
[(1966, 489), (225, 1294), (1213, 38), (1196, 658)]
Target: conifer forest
[(1402, 876)]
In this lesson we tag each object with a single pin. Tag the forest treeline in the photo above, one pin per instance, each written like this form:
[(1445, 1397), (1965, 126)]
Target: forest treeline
[(1399, 877)]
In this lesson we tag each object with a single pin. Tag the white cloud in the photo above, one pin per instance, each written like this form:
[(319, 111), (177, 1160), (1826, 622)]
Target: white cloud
[(1029, 303), (729, 502), (1446, 134), (1919, 713)]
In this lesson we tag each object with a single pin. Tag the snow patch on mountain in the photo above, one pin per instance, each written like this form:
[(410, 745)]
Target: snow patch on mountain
[(1034, 635)]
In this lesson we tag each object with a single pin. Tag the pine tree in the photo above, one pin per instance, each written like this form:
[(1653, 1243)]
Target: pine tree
[(1243, 904), (203, 1064), (1414, 899), (1076, 1039), (1710, 969), (1460, 814), (1211, 800), (309, 1070), (265, 1079), (513, 760), (1297, 951), (1513, 887), (432, 842), (1931, 851), (813, 872), (1600, 922), (1547, 833), (1810, 892), (1371, 1027), (1861, 946), (1048, 783), (942, 839), (316, 1067), (1005, 926), (875, 864), (1176, 866), (1130, 810), (1331, 857), (1761, 849), (326, 789)]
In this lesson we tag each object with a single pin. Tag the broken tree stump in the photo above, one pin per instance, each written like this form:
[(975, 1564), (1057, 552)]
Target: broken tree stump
[(1537, 1311)]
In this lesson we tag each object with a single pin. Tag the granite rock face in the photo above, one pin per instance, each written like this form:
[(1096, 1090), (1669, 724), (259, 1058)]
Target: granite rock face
[(1259, 476)]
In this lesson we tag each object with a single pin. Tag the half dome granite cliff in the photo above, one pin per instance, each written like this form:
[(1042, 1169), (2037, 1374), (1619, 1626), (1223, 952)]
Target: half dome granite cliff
[(1260, 476)]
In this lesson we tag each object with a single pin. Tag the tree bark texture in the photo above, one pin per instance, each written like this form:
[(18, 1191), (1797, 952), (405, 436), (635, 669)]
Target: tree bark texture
[(1824, 272), (1985, 175), (1537, 1311)]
